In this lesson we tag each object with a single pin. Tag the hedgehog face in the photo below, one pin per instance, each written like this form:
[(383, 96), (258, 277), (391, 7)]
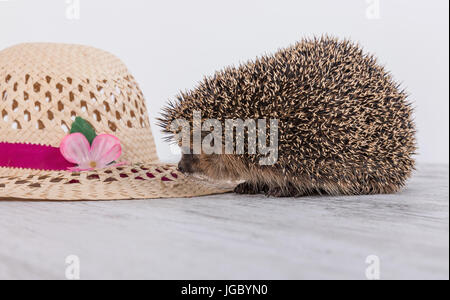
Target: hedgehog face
[(188, 164), (213, 166)]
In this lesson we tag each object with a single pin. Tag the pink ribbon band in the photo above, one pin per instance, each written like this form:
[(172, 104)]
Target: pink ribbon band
[(29, 156)]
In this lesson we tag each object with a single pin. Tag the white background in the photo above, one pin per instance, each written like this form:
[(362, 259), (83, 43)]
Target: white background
[(170, 45)]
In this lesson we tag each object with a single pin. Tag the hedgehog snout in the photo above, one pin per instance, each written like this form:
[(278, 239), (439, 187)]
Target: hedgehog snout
[(185, 164)]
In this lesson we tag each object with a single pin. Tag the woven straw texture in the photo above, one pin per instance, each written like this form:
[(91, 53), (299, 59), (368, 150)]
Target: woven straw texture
[(43, 87)]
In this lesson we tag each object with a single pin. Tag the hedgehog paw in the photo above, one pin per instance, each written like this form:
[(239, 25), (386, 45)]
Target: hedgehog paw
[(247, 188)]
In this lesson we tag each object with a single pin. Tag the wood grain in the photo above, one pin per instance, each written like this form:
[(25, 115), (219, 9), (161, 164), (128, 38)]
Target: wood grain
[(234, 237)]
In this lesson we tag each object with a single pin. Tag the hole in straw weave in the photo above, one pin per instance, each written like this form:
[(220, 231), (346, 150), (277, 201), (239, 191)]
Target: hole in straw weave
[(60, 106), (83, 105), (5, 115), (15, 87), (56, 180), (40, 125), (27, 115), (73, 181), (8, 78), (150, 175), (106, 106), (37, 106), (93, 98), (26, 97), (69, 80), (16, 125), (93, 177), (112, 126), (139, 178), (122, 175), (21, 182), (5, 95), (164, 178), (15, 106), (50, 115), (64, 127), (35, 185), (134, 171), (110, 179), (37, 87), (27, 78), (48, 97), (71, 96), (108, 172), (59, 87), (48, 79), (2, 185), (97, 116)]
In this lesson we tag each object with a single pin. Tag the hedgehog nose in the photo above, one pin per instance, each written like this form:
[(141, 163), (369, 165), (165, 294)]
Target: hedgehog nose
[(185, 164), (181, 167)]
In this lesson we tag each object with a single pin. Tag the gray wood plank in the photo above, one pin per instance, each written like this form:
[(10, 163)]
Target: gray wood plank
[(234, 237)]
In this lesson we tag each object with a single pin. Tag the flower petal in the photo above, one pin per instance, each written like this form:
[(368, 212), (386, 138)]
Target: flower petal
[(75, 148), (105, 149), (109, 157)]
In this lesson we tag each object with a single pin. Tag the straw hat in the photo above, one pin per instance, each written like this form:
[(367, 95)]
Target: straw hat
[(44, 89)]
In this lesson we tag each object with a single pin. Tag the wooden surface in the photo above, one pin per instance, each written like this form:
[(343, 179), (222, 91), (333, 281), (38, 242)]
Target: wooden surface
[(234, 237)]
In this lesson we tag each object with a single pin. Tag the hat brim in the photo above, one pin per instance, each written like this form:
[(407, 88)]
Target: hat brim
[(137, 181)]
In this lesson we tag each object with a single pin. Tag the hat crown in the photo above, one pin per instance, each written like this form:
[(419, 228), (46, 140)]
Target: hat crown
[(43, 87)]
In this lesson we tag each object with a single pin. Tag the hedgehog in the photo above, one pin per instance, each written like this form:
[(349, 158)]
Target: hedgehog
[(345, 126)]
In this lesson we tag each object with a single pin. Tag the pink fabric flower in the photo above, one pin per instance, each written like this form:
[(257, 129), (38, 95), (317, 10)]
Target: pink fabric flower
[(105, 149)]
